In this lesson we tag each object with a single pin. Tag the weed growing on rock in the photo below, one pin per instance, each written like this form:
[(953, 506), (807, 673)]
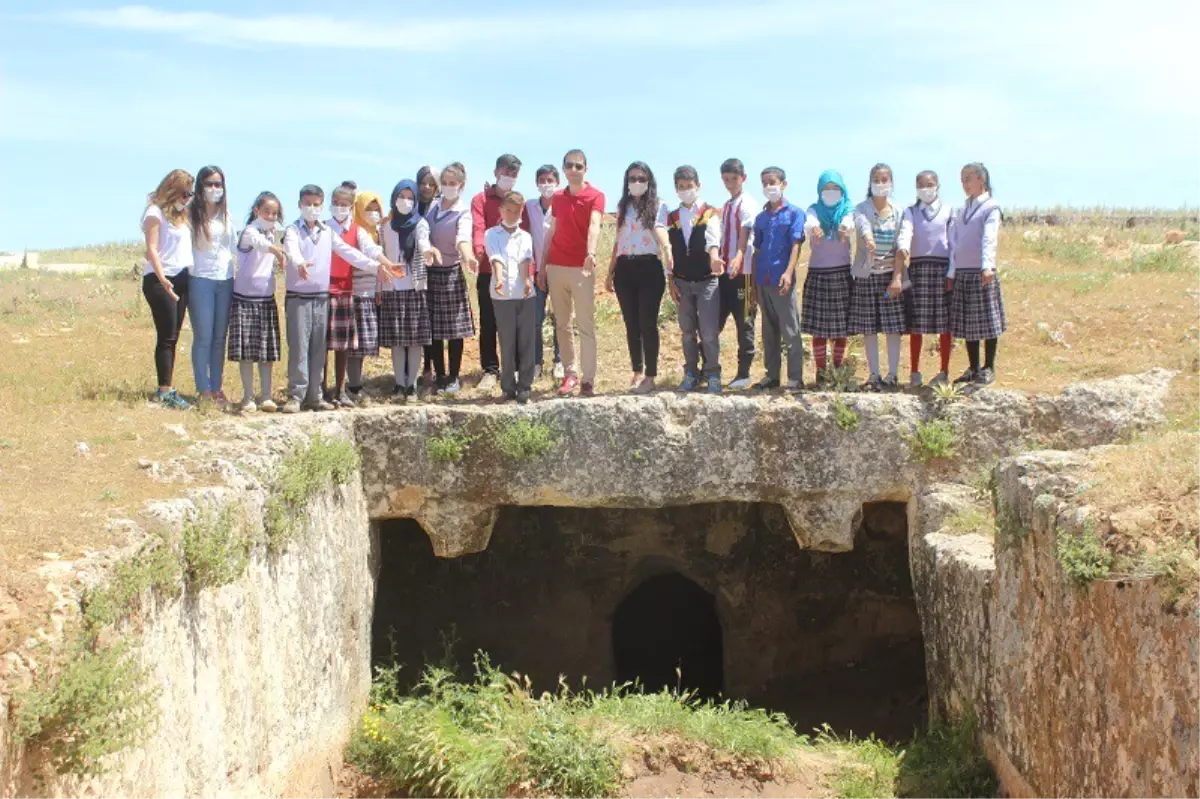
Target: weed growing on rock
[(155, 567), (524, 439), (303, 473), (449, 447), (1174, 565), (215, 549), (936, 439), (1082, 555), (946, 760), (99, 703), (946, 394), (845, 416), (868, 767)]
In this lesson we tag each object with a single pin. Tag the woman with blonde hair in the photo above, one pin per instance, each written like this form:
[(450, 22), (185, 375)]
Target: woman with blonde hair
[(165, 276)]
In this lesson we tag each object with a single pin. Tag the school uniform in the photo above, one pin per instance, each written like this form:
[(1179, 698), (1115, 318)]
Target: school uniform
[(925, 236), (737, 300), (485, 214), (361, 286), (516, 311), (539, 222), (449, 306), (639, 282), (404, 312), (871, 310), (976, 310), (306, 303), (825, 305), (692, 232), (776, 230), (254, 314)]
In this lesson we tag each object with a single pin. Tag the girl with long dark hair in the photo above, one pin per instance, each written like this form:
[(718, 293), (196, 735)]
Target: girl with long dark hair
[(210, 285)]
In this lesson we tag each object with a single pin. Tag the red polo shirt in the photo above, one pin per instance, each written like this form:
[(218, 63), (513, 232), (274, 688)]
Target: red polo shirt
[(485, 214), (572, 216)]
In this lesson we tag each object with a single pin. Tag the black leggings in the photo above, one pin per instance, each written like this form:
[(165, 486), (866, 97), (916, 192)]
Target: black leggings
[(168, 320), (439, 358), (639, 283), (989, 354)]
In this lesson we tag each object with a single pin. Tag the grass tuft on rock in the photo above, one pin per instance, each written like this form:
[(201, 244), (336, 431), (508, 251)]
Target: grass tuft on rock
[(934, 440), (524, 439), (449, 447), (301, 475), (1082, 555), (215, 549), (946, 760)]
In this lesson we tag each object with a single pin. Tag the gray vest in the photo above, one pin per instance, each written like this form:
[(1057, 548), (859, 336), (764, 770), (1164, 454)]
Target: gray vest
[(968, 235)]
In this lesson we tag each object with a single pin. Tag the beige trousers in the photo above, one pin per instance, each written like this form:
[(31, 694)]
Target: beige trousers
[(570, 290)]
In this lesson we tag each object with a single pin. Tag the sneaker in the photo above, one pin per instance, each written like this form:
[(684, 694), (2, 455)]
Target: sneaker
[(568, 386), (966, 377), (345, 400), (916, 380), (487, 383), (794, 386), (587, 390), (410, 391), (739, 383), (636, 380), (510, 396), (985, 377), (222, 401), (320, 405), (267, 405), (522, 397), (889, 384), (941, 380), (399, 392), (452, 388), (714, 385), (291, 406), (766, 384), (560, 371), (689, 383), (172, 400), (645, 387), (874, 384), (247, 406)]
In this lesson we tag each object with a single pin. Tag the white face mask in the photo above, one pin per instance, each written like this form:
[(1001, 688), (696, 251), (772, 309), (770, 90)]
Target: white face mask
[(214, 195), (263, 225), (831, 197), (374, 217), (773, 193), (403, 206), (638, 189), (547, 189), (341, 212), (180, 207), (927, 195), (450, 192), (505, 182), (881, 189), (310, 213), (687, 196)]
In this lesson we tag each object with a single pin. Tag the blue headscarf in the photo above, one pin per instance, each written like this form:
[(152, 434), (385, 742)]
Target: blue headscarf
[(405, 224), (831, 217)]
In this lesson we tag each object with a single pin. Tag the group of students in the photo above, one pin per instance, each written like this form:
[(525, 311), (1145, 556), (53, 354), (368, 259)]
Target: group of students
[(394, 276)]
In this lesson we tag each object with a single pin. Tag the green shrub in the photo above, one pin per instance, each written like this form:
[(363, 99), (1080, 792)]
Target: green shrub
[(449, 447), (99, 703), (1082, 555), (155, 567), (304, 472), (524, 439), (867, 768), (215, 549), (845, 416), (1163, 260), (934, 439), (946, 760)]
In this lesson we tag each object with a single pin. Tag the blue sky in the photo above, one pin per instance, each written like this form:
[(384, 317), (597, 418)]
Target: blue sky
[(1067, 102)]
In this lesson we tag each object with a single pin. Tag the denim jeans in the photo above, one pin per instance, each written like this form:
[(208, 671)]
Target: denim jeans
[(208, 304)]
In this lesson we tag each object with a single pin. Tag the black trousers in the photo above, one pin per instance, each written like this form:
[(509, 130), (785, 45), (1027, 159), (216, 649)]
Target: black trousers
[(168, 320), (437, 356), (639, 283), (736, 303), (489, 357)]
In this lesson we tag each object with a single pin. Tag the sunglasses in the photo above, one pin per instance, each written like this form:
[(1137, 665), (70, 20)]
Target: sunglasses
[(639, 179), (576, 165), (187, 195)]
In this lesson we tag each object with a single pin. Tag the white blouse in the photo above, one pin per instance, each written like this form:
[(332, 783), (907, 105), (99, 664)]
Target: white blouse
[(212, 257), (174, 244)]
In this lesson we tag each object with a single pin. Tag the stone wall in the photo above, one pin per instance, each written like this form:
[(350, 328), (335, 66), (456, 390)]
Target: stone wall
[(1080, 690)]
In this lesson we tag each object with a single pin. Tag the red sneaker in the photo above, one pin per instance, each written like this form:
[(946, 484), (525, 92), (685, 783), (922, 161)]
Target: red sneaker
[(586, 390), (568, 385)]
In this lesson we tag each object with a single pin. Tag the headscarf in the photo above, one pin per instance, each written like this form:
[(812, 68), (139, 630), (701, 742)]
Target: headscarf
[(361, 200), (405, 225), (423, 205), (830, 218)]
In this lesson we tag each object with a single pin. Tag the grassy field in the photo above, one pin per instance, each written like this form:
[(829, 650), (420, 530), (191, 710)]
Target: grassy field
[(1084, 302)]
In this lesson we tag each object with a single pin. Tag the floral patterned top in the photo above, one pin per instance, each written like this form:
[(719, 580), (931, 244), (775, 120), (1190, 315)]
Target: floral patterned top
[(634, 238)]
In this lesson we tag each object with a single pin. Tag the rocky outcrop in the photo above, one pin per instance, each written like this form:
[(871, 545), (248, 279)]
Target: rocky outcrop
[(645, 452), (1080, 690)]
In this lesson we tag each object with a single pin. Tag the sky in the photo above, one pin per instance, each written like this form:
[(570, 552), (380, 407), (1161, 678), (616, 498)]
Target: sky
[(1068, 103)]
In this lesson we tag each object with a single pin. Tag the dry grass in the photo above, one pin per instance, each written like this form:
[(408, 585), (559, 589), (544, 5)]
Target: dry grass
[(76, 366)]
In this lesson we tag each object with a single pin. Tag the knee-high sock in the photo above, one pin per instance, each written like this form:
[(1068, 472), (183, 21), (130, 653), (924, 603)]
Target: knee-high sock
[(839, 351), (246, 370), (989, 353), (399, 367), (871, 344), (818, 345), (414, 364), (264, 380), (893, 347), (354, 373), (914, 351), (945, 343), (973, 354)]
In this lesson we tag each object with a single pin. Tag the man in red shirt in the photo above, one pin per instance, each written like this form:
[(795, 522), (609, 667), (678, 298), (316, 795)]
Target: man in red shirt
[(485, 214), (570, 270)]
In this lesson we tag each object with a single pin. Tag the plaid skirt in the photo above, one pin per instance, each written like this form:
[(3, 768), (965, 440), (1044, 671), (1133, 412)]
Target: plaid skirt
[(404, 319), (449, 308), (825, 304), (253, 329), (976, 310), (927, 302), (871, 311), (366, 323), (343, 332)]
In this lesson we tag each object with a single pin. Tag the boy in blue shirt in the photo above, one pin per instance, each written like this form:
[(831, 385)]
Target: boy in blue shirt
[(778, 235)]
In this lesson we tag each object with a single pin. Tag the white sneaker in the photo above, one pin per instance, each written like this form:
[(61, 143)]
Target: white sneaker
[(794, 385), (247, 406), (739, 384), (487, 383), (268, 405), (291, 406), (916, 380), (941, 380), (560, 371)]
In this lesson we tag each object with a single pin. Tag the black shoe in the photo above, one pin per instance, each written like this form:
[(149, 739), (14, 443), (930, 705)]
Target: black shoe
[(766, 384), (966, 377), (510, 396), (984, 377), (410, 391), (873, 385), (522, 397), (889, 384), (398, 391)]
